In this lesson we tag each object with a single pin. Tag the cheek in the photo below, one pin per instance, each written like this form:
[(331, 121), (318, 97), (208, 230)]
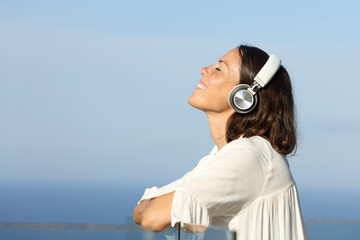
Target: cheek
[(221, 96), (223, 89)]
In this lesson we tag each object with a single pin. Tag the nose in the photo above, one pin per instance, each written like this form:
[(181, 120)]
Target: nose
[(204, 71)]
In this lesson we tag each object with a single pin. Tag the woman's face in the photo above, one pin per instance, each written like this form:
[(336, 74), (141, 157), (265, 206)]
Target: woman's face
[(211, 94)]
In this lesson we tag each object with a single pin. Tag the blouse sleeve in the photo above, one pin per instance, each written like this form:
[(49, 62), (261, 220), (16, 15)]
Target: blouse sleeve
[(156, 192), (226, 186)]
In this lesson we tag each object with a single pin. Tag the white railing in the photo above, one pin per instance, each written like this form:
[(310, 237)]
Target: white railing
[(20, 231), (317, 230)]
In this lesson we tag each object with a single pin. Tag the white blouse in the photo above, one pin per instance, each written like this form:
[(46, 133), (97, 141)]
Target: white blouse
[(246, 187)]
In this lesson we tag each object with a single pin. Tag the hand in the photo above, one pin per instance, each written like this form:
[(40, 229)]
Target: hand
[(139, 210)]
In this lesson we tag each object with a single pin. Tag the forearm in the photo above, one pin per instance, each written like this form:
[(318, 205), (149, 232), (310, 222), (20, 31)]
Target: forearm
[(156, 214)]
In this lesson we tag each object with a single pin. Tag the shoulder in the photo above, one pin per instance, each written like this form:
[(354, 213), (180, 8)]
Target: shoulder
[(257, 153), (253, 152), (244, 153), (253, 146)]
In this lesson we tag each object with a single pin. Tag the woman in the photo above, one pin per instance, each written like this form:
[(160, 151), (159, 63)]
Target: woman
[(244, 184)]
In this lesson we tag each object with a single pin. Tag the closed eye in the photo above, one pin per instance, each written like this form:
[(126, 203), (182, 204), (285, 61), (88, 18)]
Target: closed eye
[(218, 69)]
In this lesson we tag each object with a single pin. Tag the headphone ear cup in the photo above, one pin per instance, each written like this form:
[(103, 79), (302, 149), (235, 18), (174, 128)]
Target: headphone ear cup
[(241, 99)]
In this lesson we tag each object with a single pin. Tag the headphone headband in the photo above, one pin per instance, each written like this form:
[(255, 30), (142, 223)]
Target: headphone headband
[(267, 72)]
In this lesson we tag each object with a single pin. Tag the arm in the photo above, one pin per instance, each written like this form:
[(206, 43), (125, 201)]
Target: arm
[(155, 214), (156, 195), (155, 192)]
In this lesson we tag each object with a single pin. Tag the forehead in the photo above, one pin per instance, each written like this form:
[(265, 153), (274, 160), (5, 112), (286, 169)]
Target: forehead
[(232, 57)]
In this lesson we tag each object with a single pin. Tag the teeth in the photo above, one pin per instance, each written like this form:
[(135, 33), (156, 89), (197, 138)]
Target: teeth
[(201, 86)]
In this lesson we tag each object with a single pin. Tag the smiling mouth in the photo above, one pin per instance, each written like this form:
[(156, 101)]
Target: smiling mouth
[(201, 86)]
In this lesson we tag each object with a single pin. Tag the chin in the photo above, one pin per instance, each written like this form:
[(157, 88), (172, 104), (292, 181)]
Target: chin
[(194, 102), (198, 103), (191, 100)]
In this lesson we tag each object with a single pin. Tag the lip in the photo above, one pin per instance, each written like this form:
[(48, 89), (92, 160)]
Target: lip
[(202, 85)]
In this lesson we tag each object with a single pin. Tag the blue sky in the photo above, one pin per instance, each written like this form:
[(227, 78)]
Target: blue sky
[(96, 91)]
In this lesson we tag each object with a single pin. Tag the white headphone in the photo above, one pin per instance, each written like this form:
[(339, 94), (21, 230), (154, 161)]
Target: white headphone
[(243, 98)]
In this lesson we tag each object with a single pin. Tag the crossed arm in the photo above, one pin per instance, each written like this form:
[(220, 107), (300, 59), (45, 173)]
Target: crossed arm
[(154, 214)]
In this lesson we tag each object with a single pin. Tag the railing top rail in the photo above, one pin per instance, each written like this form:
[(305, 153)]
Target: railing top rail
[(61, 226), (332, 221)]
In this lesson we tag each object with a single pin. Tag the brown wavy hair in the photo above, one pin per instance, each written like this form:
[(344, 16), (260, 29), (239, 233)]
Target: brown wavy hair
[(274, 116)]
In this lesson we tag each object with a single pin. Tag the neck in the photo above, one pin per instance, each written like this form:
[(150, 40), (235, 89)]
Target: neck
[(217, 124)]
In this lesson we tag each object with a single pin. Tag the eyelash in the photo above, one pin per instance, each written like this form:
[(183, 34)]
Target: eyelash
[(218, 69)]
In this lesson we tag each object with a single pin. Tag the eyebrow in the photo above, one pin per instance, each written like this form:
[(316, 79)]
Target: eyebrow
[(221, 61)]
